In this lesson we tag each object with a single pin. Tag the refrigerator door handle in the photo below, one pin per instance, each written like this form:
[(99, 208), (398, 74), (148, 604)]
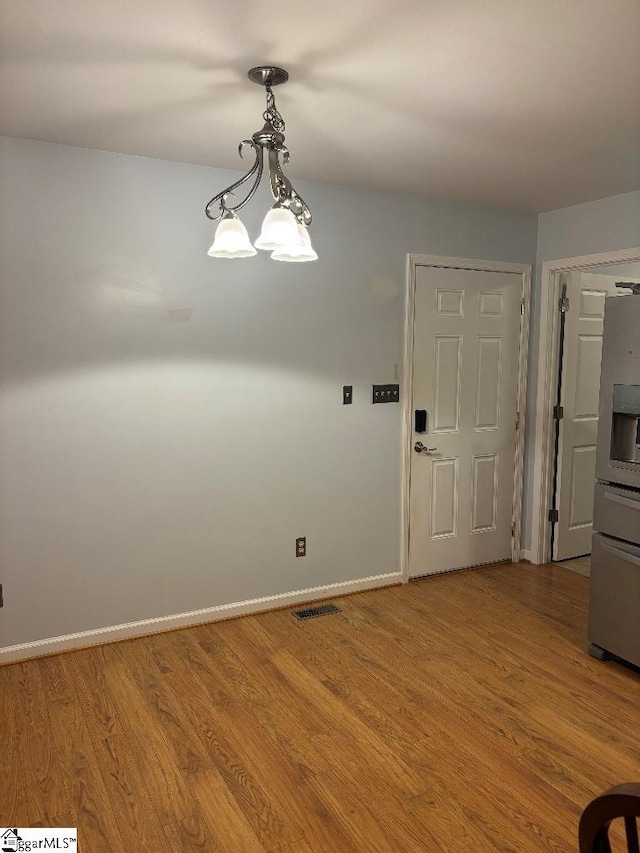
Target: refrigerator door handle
[(619, 499), (621, 555)]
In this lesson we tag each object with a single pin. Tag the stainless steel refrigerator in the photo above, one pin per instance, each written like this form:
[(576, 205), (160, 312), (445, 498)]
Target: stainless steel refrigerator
[(614, 606)]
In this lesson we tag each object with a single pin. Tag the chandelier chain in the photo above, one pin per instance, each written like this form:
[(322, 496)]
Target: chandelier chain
[(271, 113)]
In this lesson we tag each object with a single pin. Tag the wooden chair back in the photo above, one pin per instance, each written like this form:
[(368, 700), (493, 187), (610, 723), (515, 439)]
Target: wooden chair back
[(622, 801)]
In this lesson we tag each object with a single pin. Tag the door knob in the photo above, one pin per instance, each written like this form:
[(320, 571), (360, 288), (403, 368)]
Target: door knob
[(420, 448)]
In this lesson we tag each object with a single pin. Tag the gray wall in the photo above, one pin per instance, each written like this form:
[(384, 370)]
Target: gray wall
[(584, 229), (170, 423), (605, 225), (622, 270)]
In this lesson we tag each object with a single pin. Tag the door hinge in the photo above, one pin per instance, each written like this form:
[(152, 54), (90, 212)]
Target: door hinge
[(563, 304), (558, 412), (522, 305), (554, 515), (517, 420)]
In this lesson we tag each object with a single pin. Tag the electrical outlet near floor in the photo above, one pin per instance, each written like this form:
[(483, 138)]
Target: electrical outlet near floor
[(301, 546)]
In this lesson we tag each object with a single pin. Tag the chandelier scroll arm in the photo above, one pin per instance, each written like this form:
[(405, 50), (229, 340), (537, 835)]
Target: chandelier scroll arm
[(256, 169), (282, 189), (302, 210)]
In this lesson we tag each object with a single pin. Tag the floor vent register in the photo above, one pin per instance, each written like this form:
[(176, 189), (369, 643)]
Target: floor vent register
[(313, 612)]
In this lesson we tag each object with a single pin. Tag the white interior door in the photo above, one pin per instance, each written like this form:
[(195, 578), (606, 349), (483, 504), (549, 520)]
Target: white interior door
[(465, 374), (580, 389)]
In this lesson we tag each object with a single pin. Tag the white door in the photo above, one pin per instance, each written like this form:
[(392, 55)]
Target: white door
[(465, 374), (580, 389)]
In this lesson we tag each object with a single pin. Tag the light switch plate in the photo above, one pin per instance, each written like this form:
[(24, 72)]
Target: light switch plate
[(386, 393)]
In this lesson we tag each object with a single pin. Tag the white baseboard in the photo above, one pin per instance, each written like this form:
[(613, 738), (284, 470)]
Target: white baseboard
[(10, 654), (526, 554)]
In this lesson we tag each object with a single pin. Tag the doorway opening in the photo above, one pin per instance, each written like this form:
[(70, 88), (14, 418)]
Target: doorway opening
[(573, 296)]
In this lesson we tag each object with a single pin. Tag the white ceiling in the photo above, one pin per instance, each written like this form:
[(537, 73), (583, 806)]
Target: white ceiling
[(528, 104)]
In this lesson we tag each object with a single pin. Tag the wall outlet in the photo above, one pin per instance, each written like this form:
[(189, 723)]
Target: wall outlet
[(301, 546)]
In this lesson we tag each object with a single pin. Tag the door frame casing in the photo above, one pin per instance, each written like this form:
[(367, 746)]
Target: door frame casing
[(548, 354), (524, 270)]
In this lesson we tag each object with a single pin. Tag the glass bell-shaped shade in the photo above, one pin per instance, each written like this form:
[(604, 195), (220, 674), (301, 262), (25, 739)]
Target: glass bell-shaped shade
[(279, 228), (231, 239), (299, 251)]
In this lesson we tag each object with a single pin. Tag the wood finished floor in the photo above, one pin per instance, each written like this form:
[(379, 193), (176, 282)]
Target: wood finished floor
[(458, 713)]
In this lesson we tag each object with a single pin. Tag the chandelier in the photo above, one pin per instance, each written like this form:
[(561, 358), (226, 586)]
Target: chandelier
[(284, 229)]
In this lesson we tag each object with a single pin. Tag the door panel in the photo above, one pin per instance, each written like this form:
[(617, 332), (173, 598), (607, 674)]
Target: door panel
[(485, 493), (449, 303), (447, 362), (583, 470), (579, 398), (444, 498), (488, 382), (589, 358), (490, 304), (465, 366)]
